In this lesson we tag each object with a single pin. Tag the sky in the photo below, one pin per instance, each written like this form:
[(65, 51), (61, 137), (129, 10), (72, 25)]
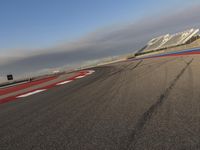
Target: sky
[(41, 34)]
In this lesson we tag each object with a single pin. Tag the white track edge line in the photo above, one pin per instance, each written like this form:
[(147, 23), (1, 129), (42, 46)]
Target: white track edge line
[(64, 82), (31, 93)]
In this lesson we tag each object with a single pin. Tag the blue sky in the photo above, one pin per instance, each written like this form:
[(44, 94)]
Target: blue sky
[(38, 35), (44, 23)]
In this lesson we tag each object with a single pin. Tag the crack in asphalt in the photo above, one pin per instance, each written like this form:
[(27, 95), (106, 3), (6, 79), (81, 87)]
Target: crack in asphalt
[(126, 67), (136, 65), (149, 113)]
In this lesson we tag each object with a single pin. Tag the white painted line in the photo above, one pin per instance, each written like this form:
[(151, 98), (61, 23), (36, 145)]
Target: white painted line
[(31, 93), (90, 72), (64, 82), (79, 77)]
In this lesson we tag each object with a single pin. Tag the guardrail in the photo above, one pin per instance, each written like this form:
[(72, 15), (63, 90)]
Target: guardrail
[(3, 85)]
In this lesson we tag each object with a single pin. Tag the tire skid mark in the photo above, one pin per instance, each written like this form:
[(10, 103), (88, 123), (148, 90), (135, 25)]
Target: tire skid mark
[(149, 113), (124, 68), (144, 73), (132, 68)]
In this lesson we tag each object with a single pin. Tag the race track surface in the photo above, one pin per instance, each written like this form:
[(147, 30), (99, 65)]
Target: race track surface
[(151, 104)]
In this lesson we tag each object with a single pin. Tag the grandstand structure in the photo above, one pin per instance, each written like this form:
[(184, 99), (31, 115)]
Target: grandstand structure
[(169, 41)]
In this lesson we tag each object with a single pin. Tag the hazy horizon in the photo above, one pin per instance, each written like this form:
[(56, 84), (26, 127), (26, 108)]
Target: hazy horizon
[(99, 36)]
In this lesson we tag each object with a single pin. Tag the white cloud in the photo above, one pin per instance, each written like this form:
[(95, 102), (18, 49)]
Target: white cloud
[(105, 42)]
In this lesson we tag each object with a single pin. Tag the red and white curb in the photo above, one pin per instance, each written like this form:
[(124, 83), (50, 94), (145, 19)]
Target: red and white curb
[(31, 93), (80, 75), (64, 82)]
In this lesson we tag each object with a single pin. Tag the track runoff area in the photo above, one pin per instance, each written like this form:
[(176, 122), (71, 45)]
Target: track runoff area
[(31, 88), (151, 102), (35, 87)]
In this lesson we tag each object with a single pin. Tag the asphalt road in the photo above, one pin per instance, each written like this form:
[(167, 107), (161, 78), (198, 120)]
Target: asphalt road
[(151, 104)]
